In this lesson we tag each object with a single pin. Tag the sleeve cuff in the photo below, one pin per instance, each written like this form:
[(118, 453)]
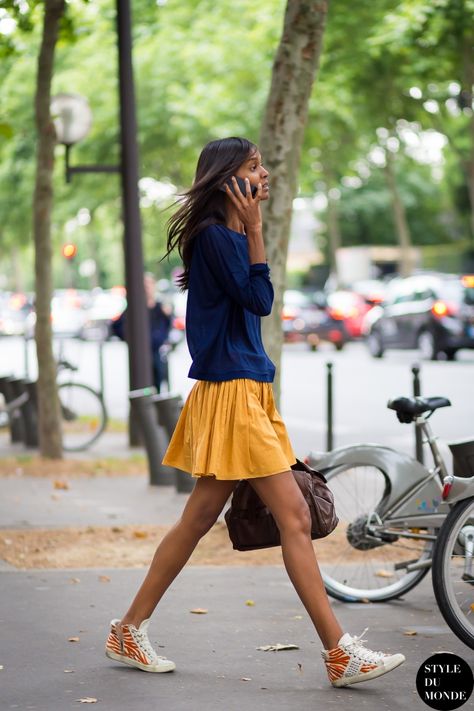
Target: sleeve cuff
[(260, 268)]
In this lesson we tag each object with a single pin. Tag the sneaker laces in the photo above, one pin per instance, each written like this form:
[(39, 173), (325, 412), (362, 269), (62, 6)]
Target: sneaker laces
[(355, 646), (145, 644)]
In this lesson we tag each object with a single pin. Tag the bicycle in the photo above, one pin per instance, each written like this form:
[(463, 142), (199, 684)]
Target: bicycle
[(397, 517), (390, 507), (83, 412), (452, 570)]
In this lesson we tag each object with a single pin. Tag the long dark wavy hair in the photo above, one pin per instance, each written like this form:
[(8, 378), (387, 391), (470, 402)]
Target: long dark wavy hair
[(204, 203)]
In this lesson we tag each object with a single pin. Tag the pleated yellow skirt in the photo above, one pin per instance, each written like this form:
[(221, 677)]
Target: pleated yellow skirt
[(230, 430)]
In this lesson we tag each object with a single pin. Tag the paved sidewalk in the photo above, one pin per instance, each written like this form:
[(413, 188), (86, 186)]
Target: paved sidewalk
[(218, 666), (26, 502), (40, 610)]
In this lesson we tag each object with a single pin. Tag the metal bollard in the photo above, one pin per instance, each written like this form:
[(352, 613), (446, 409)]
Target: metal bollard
[(417, 392), (28, 413), (153, 435), (17, 425), (168, 407), (330, 412), (101, 369)]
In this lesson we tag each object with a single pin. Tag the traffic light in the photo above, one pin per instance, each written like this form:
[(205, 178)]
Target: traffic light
[(69, 250)]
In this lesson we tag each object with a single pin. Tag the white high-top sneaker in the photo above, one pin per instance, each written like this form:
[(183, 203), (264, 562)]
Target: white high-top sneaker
[(350, 662), (132, 646)]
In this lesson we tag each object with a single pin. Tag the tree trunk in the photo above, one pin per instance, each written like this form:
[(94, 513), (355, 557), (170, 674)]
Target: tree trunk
[(334, 234), (48, 406), (334, 240), (399, 215), (466, 89), (294, 71)]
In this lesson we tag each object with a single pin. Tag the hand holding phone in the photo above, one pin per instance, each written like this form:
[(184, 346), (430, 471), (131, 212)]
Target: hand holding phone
[(242, 187)]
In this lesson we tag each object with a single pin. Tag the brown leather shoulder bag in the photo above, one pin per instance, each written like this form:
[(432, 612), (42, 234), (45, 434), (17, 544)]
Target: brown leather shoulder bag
[(251, 525)]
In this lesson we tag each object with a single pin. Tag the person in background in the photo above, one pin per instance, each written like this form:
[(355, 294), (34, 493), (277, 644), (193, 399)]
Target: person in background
[(160, 324)]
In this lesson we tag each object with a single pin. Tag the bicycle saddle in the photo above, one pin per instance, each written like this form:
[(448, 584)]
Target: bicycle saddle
[(407, 408)]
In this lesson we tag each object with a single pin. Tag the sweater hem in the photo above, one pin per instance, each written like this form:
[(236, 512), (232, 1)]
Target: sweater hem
[(233, 375)]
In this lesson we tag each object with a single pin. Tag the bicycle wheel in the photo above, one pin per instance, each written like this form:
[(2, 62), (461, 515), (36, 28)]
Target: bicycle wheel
[(83, 416), (453, 571), (363, 559)]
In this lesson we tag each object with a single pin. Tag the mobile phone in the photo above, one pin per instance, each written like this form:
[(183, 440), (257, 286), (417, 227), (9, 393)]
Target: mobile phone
[(241, 184)]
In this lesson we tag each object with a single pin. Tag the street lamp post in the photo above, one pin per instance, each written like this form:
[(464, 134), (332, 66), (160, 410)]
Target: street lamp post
[(72, 121)]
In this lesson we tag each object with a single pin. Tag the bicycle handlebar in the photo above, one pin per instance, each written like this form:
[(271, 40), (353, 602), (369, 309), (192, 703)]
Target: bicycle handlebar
[(66, 365)]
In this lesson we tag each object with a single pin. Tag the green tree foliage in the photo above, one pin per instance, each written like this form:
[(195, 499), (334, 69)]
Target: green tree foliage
[(202, 71)]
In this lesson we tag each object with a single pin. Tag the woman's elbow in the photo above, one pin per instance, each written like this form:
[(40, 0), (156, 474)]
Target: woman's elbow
[(262, 308)]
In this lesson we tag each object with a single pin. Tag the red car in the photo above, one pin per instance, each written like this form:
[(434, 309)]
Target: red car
[(350, 308)]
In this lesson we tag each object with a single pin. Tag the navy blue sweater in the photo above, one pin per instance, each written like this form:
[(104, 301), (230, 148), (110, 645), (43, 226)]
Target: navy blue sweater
[(227, 296)]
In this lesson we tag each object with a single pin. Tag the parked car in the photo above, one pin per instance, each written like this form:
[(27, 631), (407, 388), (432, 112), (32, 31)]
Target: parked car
[(350, 308), (67, 313), (372, 290), (432, 312), (106, 306), (306, 317), (14, 311)]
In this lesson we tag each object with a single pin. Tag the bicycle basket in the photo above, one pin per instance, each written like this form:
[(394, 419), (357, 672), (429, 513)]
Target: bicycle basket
[(463, 457)]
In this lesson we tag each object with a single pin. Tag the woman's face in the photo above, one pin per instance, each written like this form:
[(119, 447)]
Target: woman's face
[(253, 169)]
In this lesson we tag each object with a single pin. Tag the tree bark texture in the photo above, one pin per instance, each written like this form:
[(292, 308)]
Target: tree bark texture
[(399, 215), (294, 71), (48, 406), (467, 92), (334, 239)]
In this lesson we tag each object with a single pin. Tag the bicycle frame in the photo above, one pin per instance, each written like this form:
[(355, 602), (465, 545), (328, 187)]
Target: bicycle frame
[(414, 496)]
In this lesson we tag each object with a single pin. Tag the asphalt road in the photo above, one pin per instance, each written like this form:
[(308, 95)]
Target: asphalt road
[(219, 667), (362, 386)]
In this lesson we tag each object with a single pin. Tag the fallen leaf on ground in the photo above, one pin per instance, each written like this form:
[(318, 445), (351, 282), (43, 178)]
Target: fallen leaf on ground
[(73, 639), (277, 647), (87, 700), (104, 579), (140, 534), (384, 574), (245, 678), (249, 603), (68, 671), (199, 611), (410, 633), (55, 497), (298, 617), (73, 580), (60, 484), (472, 606)]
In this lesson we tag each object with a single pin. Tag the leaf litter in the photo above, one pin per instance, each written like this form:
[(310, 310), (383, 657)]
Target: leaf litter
[(277, 647)]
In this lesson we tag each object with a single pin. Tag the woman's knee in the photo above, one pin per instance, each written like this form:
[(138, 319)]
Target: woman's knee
[(296, 519), (200, 522)]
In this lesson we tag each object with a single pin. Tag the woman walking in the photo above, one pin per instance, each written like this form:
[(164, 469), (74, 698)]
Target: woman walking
[(229, 428)]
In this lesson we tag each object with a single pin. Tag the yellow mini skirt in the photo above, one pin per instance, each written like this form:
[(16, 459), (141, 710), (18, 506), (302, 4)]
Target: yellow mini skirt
[(230, 430)]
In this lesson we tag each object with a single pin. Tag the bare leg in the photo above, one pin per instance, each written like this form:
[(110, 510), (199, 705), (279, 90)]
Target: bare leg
[(282, 495), (204, 505)]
